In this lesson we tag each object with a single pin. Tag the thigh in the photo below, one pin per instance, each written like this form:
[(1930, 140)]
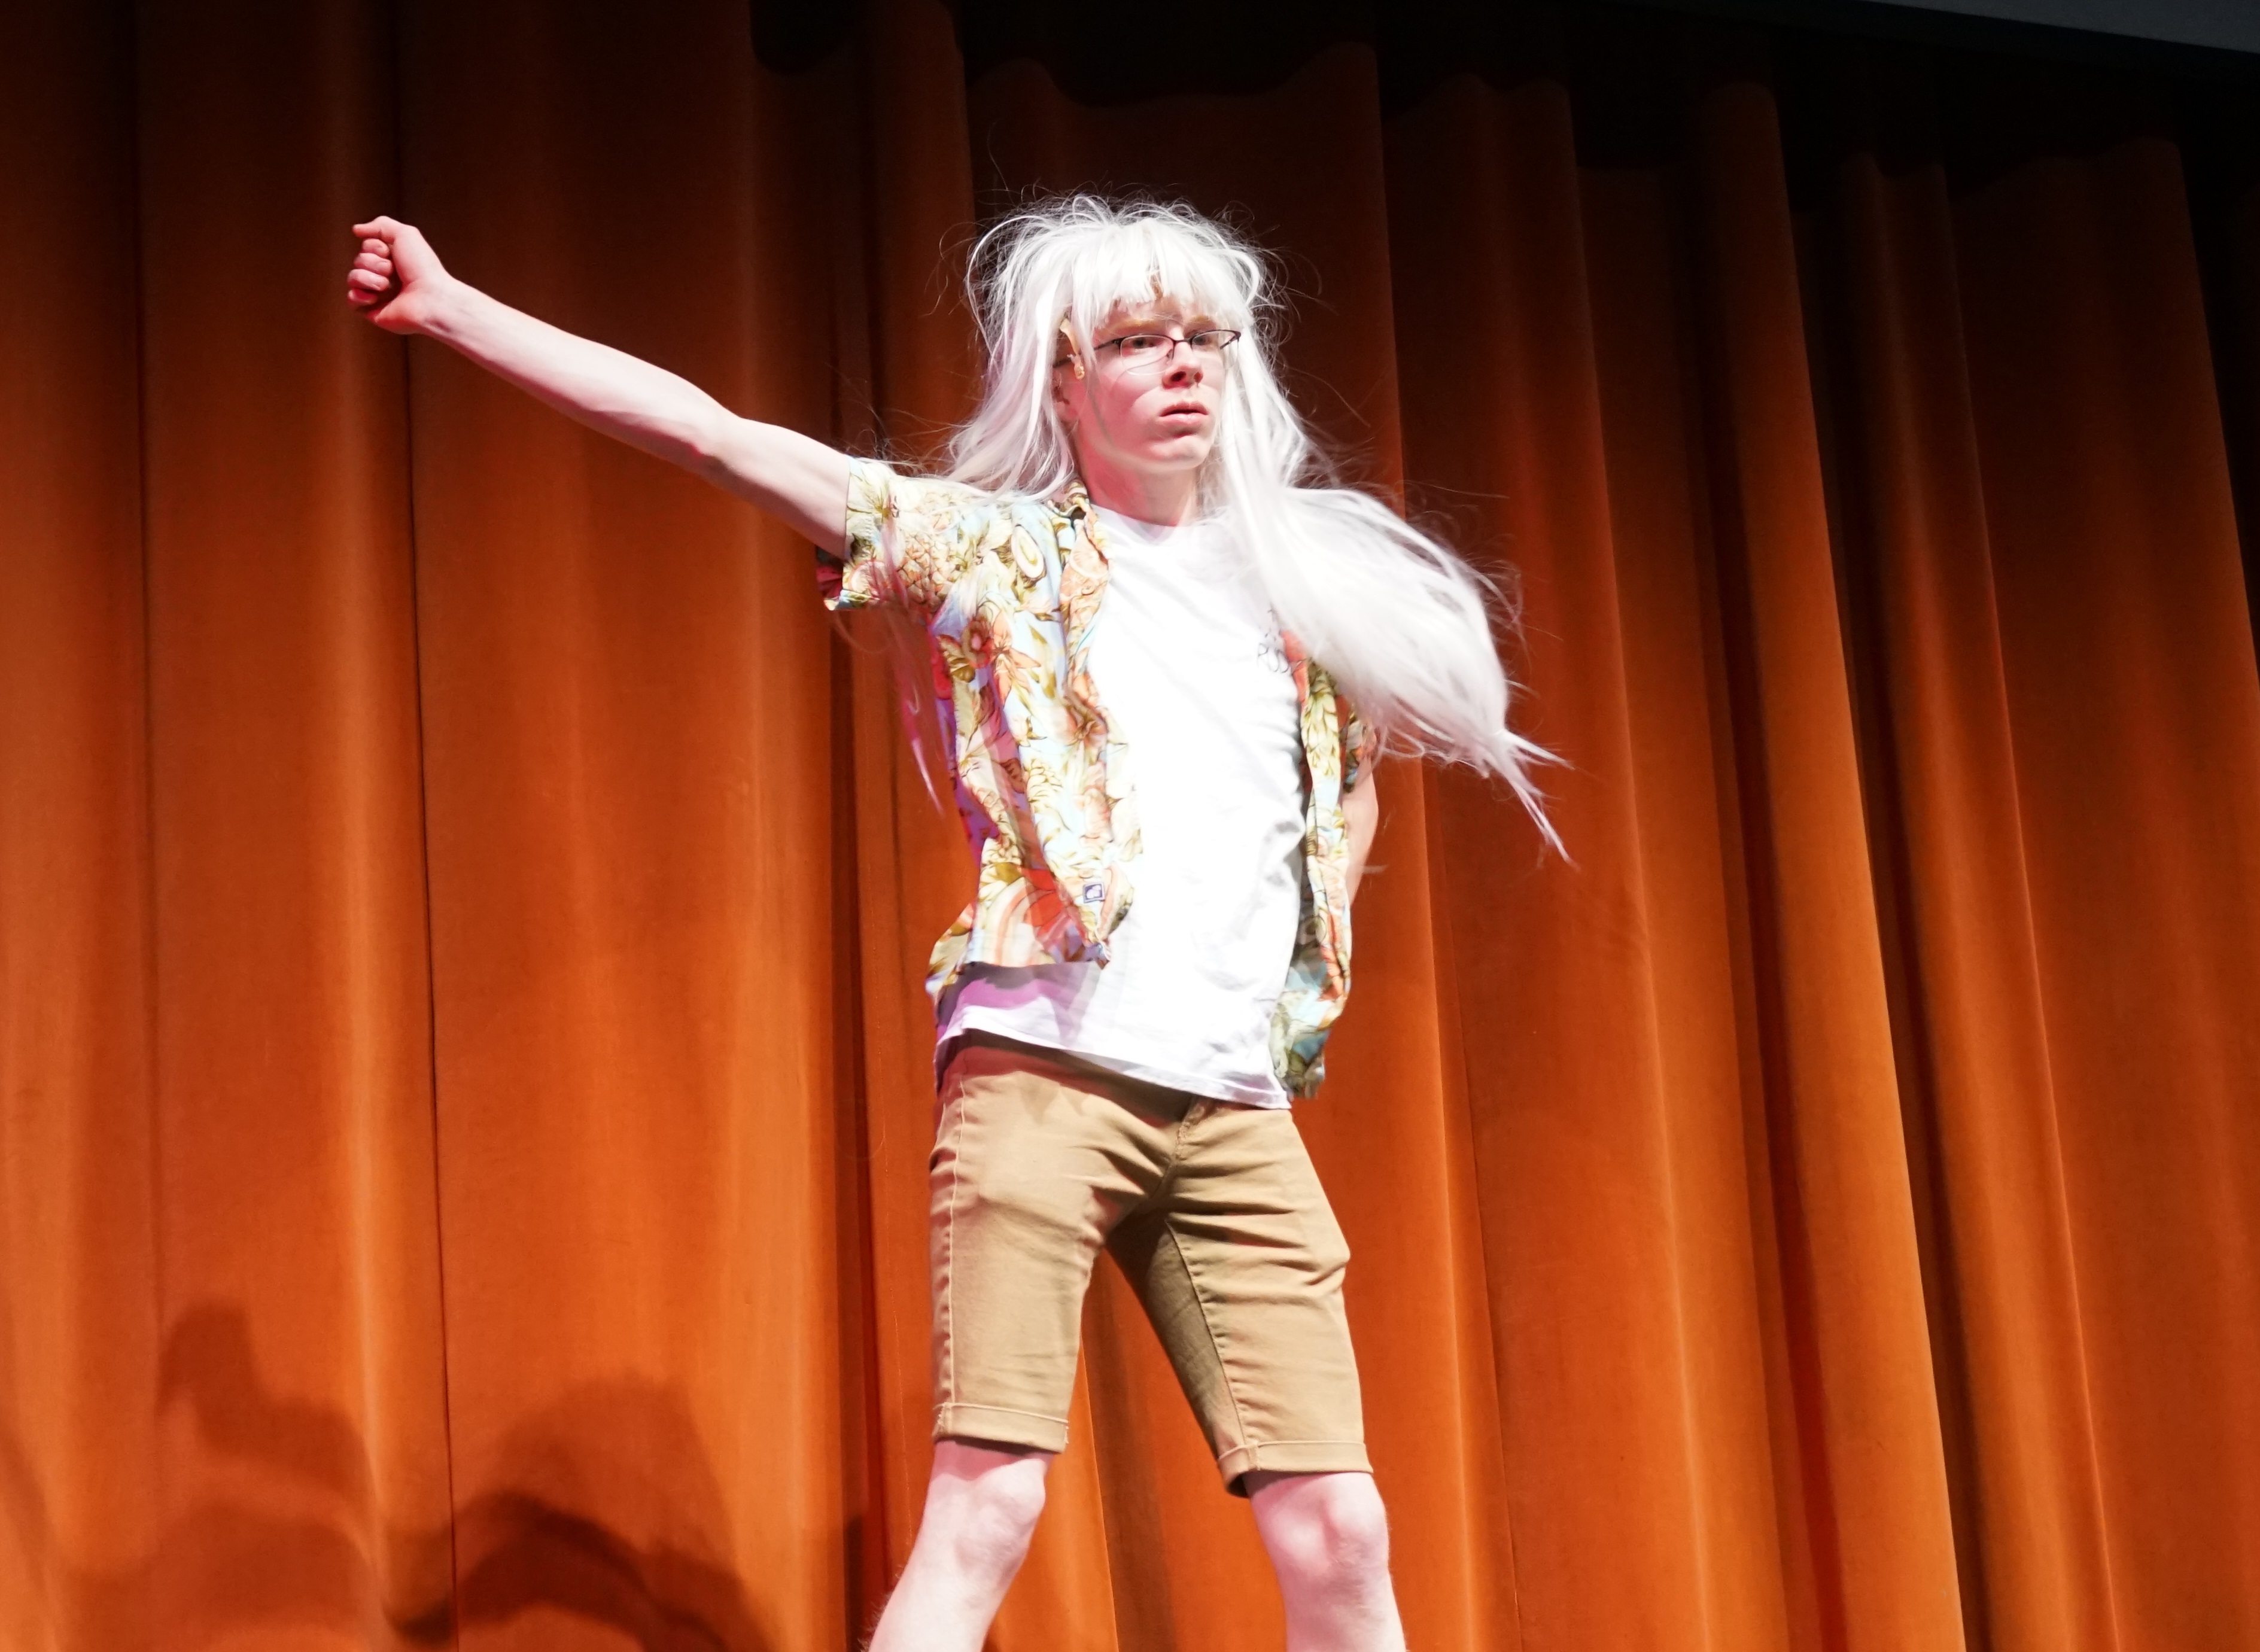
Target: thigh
[(1033, 1165), (1240, 1263)]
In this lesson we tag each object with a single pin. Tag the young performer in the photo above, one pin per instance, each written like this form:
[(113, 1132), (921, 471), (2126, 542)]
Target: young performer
[(1166, 651)]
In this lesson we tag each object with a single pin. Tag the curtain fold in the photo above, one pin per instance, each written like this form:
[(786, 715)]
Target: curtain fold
[(1974, 1064), (465, 1074), (2128, 665), (79, 1419)]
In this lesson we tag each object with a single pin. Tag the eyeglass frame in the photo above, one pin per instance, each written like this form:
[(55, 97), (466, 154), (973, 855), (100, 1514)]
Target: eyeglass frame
[(1232, 336)]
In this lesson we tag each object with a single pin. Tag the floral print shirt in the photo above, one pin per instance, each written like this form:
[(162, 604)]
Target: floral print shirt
[(1008, 589)]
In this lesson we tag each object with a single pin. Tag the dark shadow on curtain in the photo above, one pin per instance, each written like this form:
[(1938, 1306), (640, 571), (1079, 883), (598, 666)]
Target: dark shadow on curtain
[(540, 1535)]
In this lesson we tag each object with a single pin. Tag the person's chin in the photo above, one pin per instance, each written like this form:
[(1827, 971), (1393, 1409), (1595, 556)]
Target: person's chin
[(1185, 451)]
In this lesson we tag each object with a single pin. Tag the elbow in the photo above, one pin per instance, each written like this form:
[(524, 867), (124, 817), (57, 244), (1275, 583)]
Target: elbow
[(725, 450), (705, 445)]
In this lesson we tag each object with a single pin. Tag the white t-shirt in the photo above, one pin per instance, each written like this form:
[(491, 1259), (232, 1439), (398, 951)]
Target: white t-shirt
[(1186, 659)]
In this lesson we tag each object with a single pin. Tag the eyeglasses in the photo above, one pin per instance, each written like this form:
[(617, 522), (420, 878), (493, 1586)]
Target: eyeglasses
[(1143, 351)]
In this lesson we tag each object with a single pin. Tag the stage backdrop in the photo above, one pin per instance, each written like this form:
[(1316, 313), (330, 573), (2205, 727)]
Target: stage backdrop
[(464, 1084)]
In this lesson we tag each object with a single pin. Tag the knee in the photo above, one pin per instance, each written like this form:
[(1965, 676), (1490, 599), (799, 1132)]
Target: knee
[(1328, 1534), (993, 1525), (988, 1518)]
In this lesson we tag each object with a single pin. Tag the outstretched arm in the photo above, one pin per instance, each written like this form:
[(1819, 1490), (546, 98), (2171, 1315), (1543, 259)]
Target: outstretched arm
[(399, 283)]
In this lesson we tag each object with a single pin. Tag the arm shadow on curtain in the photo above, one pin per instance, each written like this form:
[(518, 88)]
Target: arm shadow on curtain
[(284, 1548)]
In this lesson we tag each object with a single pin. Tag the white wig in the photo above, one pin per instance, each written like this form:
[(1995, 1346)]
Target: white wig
[(1398, 619)]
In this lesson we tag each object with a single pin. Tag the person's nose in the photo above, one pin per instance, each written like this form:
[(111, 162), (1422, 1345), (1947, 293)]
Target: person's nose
[(1185, 366)]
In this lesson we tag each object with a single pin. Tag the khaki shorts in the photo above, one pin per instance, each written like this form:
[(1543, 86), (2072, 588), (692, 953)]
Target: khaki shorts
[(1216, 1217)]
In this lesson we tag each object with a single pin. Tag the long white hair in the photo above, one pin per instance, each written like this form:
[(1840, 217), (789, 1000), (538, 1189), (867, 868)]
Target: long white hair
[(1398, 619)]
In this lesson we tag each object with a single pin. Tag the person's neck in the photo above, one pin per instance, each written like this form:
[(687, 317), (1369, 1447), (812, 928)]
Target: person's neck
[(1166, 499)]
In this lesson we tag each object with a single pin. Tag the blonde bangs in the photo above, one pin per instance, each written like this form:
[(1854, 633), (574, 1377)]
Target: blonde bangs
[(1139, 265)]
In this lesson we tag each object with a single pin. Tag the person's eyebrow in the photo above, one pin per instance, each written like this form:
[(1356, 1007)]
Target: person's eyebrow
[(1197, 322)]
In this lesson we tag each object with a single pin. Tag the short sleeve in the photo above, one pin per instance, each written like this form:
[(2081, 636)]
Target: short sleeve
[(910, 539)]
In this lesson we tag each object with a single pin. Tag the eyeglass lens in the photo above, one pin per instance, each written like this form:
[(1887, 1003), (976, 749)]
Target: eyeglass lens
[(1144, 348)]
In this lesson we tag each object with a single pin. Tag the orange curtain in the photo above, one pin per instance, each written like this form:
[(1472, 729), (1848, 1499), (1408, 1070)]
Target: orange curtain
[(464, 1083)]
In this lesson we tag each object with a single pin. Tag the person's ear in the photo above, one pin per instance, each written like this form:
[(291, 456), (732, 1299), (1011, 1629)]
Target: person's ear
[(1063, 402)]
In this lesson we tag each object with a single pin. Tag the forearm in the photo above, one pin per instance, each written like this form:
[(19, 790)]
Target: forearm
[(792, 477), (607, 389), (399, 283)]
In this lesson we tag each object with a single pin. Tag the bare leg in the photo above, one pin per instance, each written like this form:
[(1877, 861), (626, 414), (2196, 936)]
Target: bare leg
[(1329, 1540), (981, 1509)]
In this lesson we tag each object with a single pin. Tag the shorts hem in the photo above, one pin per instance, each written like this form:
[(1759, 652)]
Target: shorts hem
[(1292, 1457), (1029, 1428)]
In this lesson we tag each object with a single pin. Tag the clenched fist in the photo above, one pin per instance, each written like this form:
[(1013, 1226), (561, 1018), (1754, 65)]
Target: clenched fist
[(397, 280)]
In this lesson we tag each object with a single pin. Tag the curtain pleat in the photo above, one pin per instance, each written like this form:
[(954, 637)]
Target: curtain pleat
[(628, 718), (1974, 1065), (2129, 666), (465, 1074), (79, 1413)]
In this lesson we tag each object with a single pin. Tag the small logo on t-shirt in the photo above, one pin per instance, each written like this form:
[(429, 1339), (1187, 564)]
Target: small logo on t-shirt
[(1273, 652)]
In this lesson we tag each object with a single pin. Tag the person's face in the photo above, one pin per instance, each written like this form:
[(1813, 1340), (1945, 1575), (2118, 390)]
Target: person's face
[(1139, 410)]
